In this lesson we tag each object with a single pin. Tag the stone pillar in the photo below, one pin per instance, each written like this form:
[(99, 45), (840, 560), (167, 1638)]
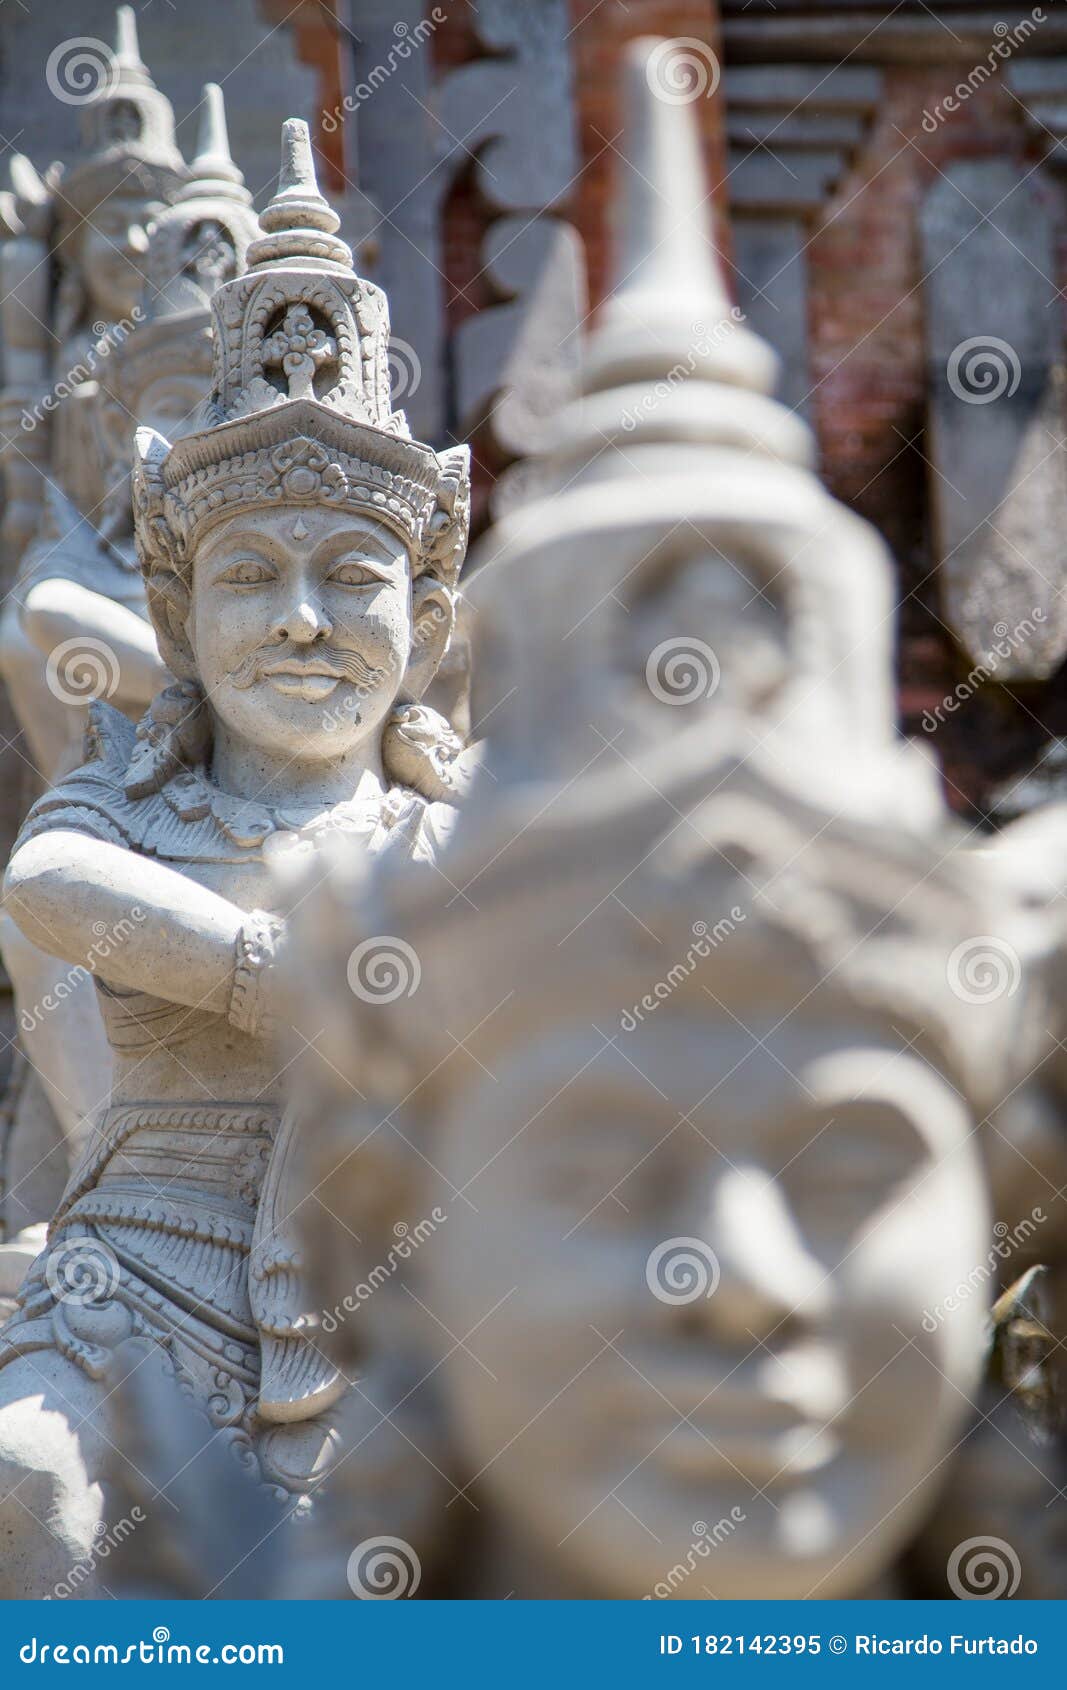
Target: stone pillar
[(792, 130), (996, 387)]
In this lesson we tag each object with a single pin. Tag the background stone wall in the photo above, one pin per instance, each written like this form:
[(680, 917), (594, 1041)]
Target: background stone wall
[(835, 177)]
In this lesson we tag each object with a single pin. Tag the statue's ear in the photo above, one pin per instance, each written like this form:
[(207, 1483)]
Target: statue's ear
[(433, 617), (168, 607), (161, 551)]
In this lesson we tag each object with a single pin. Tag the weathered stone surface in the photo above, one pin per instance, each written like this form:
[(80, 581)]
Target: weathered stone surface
[(300, 553), (519, 360), (76, 622), (512, 113), (626, 1175), (793, 130), (185, 45), (997, 390)]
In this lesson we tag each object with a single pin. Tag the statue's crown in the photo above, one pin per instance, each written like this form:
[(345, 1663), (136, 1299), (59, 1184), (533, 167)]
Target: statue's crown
[(300, 408), (202, 239), (301, 324), (128, 144)]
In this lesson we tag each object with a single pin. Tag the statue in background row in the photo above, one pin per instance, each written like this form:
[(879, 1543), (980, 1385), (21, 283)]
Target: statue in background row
[(76, 625), (300, 554)]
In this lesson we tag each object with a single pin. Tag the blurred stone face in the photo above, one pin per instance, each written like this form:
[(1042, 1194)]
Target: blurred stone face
[(113, 248), (712, 1265)]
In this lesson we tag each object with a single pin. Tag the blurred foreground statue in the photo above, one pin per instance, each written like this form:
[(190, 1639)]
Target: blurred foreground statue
[(83, 629), (300, 554), (668, 1157)]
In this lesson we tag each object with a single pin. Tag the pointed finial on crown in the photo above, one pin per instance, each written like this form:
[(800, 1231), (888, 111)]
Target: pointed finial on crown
[(299, 224), (128, 146), (670, 297), (127, 48), (214, 172)]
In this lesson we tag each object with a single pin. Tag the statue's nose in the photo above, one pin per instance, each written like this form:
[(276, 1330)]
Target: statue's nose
[(304, 622)]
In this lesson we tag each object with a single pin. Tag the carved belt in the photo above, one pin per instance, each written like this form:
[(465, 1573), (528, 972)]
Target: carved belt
[(213, 1151), (173, 1189)]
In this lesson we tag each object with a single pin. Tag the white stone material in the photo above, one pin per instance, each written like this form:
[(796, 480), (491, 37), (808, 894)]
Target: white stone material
[(300, 553)]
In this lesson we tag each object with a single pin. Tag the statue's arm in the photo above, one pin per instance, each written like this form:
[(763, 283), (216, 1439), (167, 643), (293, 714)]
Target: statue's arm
[(56, 610), (72, 895)]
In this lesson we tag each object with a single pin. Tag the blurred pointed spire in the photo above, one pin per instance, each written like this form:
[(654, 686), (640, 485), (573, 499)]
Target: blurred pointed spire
[(129, 66), (298, 222), (127, 46), (669, 294), (128, 144), (213, 169)]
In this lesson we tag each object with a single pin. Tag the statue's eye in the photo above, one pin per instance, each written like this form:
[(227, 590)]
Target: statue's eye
[(248, 573), (354, 575)]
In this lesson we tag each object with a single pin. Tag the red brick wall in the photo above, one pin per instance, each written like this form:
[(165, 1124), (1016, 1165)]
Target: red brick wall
[(601, 30), (865, 319), (866, 327)]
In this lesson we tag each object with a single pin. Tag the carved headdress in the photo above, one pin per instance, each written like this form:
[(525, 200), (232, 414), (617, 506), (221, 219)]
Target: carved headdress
[(300, 407), (128, 143), (196, 244)]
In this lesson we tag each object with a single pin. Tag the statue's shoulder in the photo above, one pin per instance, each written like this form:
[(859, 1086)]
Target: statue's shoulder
[(92, 799)]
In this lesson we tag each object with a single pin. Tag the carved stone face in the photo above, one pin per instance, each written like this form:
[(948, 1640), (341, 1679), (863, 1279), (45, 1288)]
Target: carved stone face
[(301, 627), (113, 245), (171, 403), (775, 1435)]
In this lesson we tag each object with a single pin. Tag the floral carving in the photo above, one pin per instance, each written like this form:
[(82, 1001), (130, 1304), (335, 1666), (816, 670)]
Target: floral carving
[(299, 349)]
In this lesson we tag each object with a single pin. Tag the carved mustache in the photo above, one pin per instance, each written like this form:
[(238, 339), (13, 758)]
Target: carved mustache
[(292, 659)]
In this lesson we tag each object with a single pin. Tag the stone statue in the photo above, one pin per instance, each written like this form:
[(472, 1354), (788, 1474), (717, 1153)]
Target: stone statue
[(94, 217), (83, 583), (300, 554), (686, 1076), (82, 607), (69, 623)]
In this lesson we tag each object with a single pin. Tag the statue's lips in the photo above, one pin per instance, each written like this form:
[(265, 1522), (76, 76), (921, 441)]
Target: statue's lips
[(761, 1454), (310, 681), (734, 1426)]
